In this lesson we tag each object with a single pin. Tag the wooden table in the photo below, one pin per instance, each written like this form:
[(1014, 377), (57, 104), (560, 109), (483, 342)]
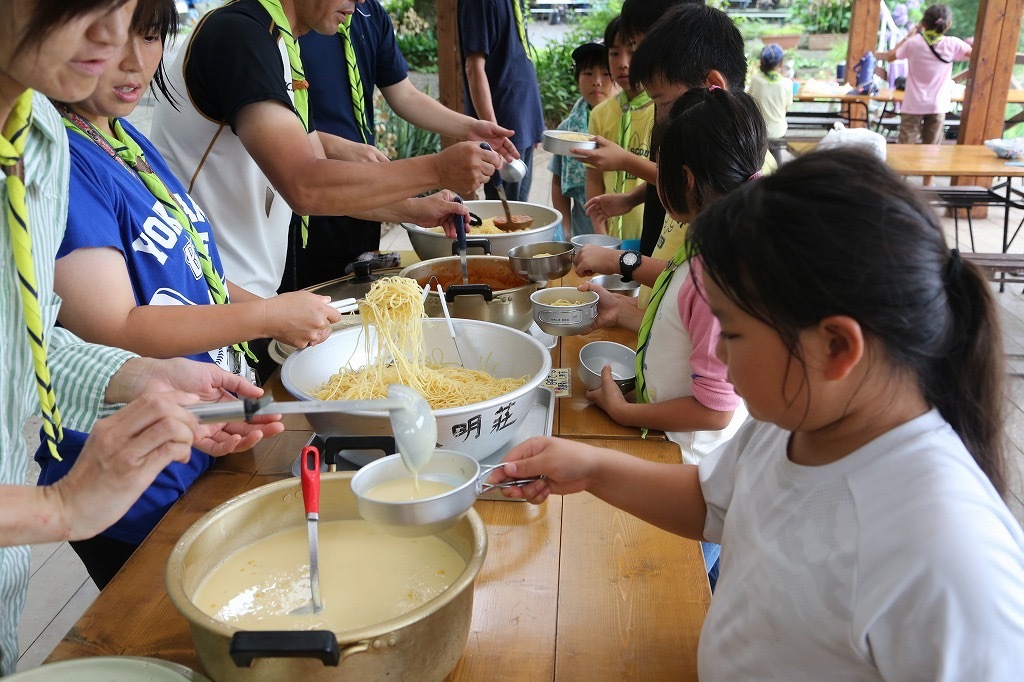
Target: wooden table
[(853, 110), (891, 97), (960, 160), (572, 589)]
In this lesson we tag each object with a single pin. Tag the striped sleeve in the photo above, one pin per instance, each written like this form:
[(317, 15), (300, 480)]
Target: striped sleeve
[(80, 373)]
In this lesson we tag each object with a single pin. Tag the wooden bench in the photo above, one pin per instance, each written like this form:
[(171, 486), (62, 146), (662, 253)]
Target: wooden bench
[(1005, 268), (962, 197)]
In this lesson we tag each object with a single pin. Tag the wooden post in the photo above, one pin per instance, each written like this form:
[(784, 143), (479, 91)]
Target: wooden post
[(865, 16), (995, 50), (449, 62)]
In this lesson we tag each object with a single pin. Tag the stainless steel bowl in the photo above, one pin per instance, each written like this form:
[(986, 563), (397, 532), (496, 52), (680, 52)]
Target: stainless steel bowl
[(605, 240), (546, 220), (616, 285), (564, 320), (555, 262), (596, 354), (478, 430)]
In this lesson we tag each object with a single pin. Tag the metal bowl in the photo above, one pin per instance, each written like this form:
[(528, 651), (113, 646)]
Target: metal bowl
[(564, 320), (429, 515), (429, 244), (616, 285), (562, 142), (596, 354), (605, 240), (478, 430), (556, 262)]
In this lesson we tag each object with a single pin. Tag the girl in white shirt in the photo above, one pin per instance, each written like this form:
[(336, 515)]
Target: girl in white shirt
[(862, 530)]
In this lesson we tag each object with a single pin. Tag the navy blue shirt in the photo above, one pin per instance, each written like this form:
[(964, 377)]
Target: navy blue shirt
[(380, 63), (489, 27)]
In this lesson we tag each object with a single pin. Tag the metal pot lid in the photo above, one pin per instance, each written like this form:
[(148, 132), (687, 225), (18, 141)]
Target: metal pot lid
[(111, 669), (355, 285)]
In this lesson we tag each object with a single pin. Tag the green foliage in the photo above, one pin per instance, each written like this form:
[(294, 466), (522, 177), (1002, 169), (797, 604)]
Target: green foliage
[(397, 138), (821, 16), (783, 30), (558, 91), (417, 39)]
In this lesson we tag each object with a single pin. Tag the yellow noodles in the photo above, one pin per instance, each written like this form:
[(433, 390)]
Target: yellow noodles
[(486, 226), (394, 306), (565, 302)]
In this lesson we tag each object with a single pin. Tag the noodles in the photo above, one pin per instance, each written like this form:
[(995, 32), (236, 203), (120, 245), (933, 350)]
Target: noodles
[(486, 226), (394, 306), (565, 302)]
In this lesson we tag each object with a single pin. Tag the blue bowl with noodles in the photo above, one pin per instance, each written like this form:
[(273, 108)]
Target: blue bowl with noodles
[(478, 429)]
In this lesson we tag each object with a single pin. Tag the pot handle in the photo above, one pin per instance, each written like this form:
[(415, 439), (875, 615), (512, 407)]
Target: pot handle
[(247, 646), (482, 243), (469, 290)]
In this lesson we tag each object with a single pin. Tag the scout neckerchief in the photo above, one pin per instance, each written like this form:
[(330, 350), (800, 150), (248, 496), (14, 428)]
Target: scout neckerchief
[(643, 337), (932, 37), (355, 81), (625, 132), (517, 10), (300, 86), (772, 76), (12, 148), (128, 153)]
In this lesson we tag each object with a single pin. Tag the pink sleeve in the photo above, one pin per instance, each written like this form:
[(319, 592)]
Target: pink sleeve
[(961, 49), (710, 385)]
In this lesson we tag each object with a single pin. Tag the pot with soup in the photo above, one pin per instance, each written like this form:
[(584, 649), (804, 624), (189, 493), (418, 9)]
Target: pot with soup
[(394, 608), (494, 294), (432, 242)]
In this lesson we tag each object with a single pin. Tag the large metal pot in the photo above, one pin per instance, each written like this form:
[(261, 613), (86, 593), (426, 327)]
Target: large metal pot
[(424, 644), (478, 430), (494, 293), (429, 244)]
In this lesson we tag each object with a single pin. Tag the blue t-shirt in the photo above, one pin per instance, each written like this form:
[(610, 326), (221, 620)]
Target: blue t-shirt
[(489, 27), (380, 64), (111, 208)]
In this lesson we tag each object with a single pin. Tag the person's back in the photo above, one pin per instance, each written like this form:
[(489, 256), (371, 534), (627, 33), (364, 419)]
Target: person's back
[(200, 146), (772, 91), (929, 68)]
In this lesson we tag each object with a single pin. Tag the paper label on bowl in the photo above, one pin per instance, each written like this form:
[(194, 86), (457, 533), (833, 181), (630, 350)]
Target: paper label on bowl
[(559, 380)]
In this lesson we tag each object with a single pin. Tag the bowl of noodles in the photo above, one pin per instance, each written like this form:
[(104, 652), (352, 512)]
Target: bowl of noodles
[(564, 311), (478, 405), (432, 243)]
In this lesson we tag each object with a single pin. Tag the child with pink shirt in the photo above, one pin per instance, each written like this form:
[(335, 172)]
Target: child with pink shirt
[(930, 55)]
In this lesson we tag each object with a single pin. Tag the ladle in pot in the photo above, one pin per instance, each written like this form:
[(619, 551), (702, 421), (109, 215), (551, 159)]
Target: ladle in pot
[(513, 223), (429, 515), (310, 461)]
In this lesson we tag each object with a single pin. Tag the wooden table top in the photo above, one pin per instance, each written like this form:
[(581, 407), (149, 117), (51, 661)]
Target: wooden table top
[(571, 589), (1013, 96), (952, 160)]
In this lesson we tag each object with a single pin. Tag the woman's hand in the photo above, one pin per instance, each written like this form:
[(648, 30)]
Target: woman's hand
[(607, 156), (300, 318), (591, 259), (500, 139), (566, 465), (438, 209)]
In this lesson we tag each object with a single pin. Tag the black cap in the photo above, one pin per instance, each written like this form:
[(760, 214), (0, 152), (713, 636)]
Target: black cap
[(588, 48)]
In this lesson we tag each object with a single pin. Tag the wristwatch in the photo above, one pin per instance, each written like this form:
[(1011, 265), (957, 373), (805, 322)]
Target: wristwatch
[(628, 262)]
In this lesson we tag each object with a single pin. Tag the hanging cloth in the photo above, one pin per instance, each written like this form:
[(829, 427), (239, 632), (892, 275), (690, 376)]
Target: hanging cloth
[(625, 132), (355, 80), (124, 149), (517, 10), (12, 148), (300, 86), (644, 334)]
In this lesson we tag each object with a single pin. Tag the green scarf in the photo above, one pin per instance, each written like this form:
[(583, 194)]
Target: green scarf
[(625, 133), (932, 37)]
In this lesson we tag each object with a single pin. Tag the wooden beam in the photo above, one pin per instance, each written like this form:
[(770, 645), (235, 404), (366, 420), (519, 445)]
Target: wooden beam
[(988, 82), (449, 62), (865, 16)]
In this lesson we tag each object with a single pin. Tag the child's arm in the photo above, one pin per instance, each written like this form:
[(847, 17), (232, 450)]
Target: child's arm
[(609, 156), (595, 188), (562, 204), (666, 495)]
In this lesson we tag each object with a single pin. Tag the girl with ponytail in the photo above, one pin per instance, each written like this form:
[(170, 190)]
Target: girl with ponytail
[(860, 516)]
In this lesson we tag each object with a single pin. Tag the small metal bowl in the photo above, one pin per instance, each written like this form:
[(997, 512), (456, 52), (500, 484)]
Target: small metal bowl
[(605, 240), (564, 320), (596, 354), (616, 285), (554, 263), (562, 142)]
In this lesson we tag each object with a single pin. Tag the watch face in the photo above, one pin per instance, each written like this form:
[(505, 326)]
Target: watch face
[(630, 258)]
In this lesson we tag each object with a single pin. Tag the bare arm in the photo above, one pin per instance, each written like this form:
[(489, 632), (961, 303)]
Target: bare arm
[(595, 188), (679, 414), (479, 86), (339, 148), (425, 112), (562, 204), (666, 495), (167, 331), (313, 185)]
